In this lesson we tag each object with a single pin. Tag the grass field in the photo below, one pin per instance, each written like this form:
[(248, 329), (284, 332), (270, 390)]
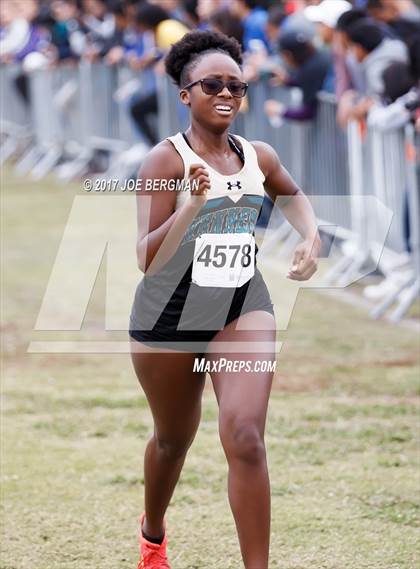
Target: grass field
[(342, 434)]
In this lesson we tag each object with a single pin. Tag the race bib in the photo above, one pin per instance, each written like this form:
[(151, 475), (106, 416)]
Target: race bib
[(223, 260)]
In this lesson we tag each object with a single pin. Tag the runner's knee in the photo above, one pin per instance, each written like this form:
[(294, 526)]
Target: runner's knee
[(243, 441), (173, 448)]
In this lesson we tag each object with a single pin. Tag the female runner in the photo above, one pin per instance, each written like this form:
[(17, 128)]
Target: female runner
[(201, 292)]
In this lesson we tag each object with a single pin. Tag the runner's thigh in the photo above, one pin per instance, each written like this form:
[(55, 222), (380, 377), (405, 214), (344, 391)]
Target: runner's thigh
[(243, 396), (172, 388)]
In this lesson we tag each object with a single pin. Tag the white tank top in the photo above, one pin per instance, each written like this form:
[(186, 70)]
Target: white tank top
[(221, 236), (249, 180)]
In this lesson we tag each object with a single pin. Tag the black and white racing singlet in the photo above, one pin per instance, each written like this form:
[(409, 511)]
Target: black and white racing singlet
[(212, 278)]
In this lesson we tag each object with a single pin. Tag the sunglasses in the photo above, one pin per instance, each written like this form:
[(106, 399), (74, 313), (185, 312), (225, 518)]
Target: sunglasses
[(213, 86)]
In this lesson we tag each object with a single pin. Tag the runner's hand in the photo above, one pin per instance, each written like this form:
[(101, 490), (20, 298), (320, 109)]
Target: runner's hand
[(199, 173), (305, 260)]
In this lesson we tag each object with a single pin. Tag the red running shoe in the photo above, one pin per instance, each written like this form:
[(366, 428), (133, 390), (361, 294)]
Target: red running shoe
[(152, 555)]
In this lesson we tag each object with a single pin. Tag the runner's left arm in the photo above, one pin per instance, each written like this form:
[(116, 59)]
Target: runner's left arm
[(295, 206)]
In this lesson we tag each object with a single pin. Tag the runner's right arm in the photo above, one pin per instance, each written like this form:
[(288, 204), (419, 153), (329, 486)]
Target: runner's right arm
[(160, 228)]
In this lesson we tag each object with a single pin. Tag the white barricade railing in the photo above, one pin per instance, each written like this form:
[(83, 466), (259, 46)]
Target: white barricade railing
[(78, 109), (99, 111), (13, 110), (397, 184), (15, 120)]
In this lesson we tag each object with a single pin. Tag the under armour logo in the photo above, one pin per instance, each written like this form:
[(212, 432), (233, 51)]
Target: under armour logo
[(231, 185)]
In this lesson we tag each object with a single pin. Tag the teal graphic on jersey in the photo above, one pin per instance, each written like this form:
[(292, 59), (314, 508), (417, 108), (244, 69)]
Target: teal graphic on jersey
[(230, 220)]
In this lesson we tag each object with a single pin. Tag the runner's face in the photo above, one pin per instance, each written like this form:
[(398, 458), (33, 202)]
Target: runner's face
[(203, 106)]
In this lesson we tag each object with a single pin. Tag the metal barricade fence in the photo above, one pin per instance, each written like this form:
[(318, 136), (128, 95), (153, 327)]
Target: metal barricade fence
[(51, 92), (330, 163), (357, 252), (173, 116), (99, 111), (55, 112), (398, 185), (325, 164), (14, 113), (79, 106), (384, 176), (257, 126), (125, 76), (387, 172), (412, 141), (15, 119), (304, 148), (413, 179), (74, 112)]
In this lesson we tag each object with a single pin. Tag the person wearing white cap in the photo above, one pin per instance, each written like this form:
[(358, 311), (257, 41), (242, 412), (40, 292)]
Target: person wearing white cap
[(326, 14)]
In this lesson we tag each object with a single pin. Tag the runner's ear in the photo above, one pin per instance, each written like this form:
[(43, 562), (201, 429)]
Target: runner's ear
[(184, 97)]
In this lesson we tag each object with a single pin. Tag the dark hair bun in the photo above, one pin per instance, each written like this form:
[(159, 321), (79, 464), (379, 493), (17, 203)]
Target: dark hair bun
[(193, 44)]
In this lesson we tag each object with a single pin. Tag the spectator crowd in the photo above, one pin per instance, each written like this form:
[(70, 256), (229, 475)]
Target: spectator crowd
[(366, 52)]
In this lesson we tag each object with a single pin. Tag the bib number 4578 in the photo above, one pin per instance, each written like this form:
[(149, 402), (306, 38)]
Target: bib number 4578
[(223, 260), (223, 255)]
